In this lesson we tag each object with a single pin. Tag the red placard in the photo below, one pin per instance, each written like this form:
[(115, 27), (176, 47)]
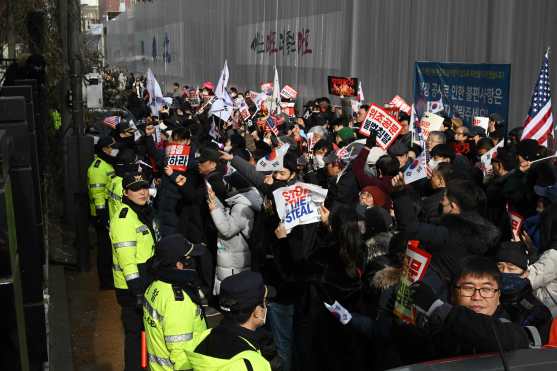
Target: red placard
[(384, 125), (414, 268), (267, 87), (401, 104), (288, 92), (178, 156)]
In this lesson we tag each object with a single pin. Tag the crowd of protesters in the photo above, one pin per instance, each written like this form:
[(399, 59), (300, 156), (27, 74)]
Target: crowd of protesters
[(207, 235)]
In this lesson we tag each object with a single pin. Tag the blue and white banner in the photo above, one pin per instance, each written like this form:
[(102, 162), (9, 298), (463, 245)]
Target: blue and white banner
[(465, 90)]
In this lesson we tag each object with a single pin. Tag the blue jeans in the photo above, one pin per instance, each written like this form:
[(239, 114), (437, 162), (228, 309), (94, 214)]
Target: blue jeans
[(281, 319)]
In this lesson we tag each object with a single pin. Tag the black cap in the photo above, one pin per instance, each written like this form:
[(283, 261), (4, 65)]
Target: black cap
[(398, 149), (443, 150), (477, 130), (173, 248), (124, 125), (126, 156), (514, 253), (105, 142), (208, 154), (243, 291), (134, 182)]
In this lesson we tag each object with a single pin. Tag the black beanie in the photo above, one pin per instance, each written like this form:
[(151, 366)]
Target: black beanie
[(514, 253)]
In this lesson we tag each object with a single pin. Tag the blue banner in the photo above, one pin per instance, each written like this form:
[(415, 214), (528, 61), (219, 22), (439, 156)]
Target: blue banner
[(466, 90)]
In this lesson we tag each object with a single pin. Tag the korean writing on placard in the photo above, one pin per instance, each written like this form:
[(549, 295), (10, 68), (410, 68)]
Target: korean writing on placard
[(384, 125), (178, 156), (416, 262)]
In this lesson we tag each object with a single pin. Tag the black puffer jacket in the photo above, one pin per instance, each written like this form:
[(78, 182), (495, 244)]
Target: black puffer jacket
[(450, 241)]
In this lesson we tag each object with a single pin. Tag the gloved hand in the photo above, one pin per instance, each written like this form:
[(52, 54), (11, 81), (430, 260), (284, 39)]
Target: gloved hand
[(340, 312), (423, 298), (102, 217), (371, 140)]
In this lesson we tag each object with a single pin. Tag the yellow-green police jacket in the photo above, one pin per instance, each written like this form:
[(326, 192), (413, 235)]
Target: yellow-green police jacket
[(200, 362), (132, 245), (98, 177), (114, 193), (170, 318)]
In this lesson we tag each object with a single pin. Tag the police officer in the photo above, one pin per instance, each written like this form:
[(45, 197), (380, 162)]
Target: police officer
[(133, 243), (125, 163), (171, 309), (233, 344), (98, 176)]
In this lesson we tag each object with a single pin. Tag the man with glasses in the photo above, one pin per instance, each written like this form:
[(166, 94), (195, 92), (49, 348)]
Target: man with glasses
[(233, 344), (475, 321)]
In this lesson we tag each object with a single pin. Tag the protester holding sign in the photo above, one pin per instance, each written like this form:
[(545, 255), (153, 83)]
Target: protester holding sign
[(324, 207)]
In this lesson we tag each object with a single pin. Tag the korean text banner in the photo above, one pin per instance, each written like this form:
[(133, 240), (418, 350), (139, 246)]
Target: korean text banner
[(467, 90)]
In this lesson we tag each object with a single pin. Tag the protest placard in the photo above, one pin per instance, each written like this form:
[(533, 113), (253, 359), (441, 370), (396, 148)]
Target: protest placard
[(288, 108), (401, 104), (384, 125), (299, 204), (178, 156), (414, 267), (241, 105), (267, 87), (430, 122), (288, 92), (516, 223), (482, 122)]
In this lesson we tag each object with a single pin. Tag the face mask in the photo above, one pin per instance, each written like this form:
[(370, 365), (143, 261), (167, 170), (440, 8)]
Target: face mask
[(114, 152), (512, 283), (318, 161), (227, 149), (433, 164)]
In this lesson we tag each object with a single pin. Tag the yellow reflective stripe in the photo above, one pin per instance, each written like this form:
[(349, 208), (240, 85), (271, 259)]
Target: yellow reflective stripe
[(117, 245), (160, 360), (97, 185), (178, 338), (152, 311), (114, 196), (131, 276)]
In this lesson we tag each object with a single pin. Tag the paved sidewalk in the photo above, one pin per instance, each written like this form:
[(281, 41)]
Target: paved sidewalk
[(97, 334)]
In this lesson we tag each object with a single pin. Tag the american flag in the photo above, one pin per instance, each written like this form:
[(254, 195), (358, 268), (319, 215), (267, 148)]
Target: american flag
[(112, 121), (272, 125), (539, 123)]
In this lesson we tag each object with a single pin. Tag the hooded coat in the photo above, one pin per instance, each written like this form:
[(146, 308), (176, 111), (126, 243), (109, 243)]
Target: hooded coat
[(543, 277), (234, 225)]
